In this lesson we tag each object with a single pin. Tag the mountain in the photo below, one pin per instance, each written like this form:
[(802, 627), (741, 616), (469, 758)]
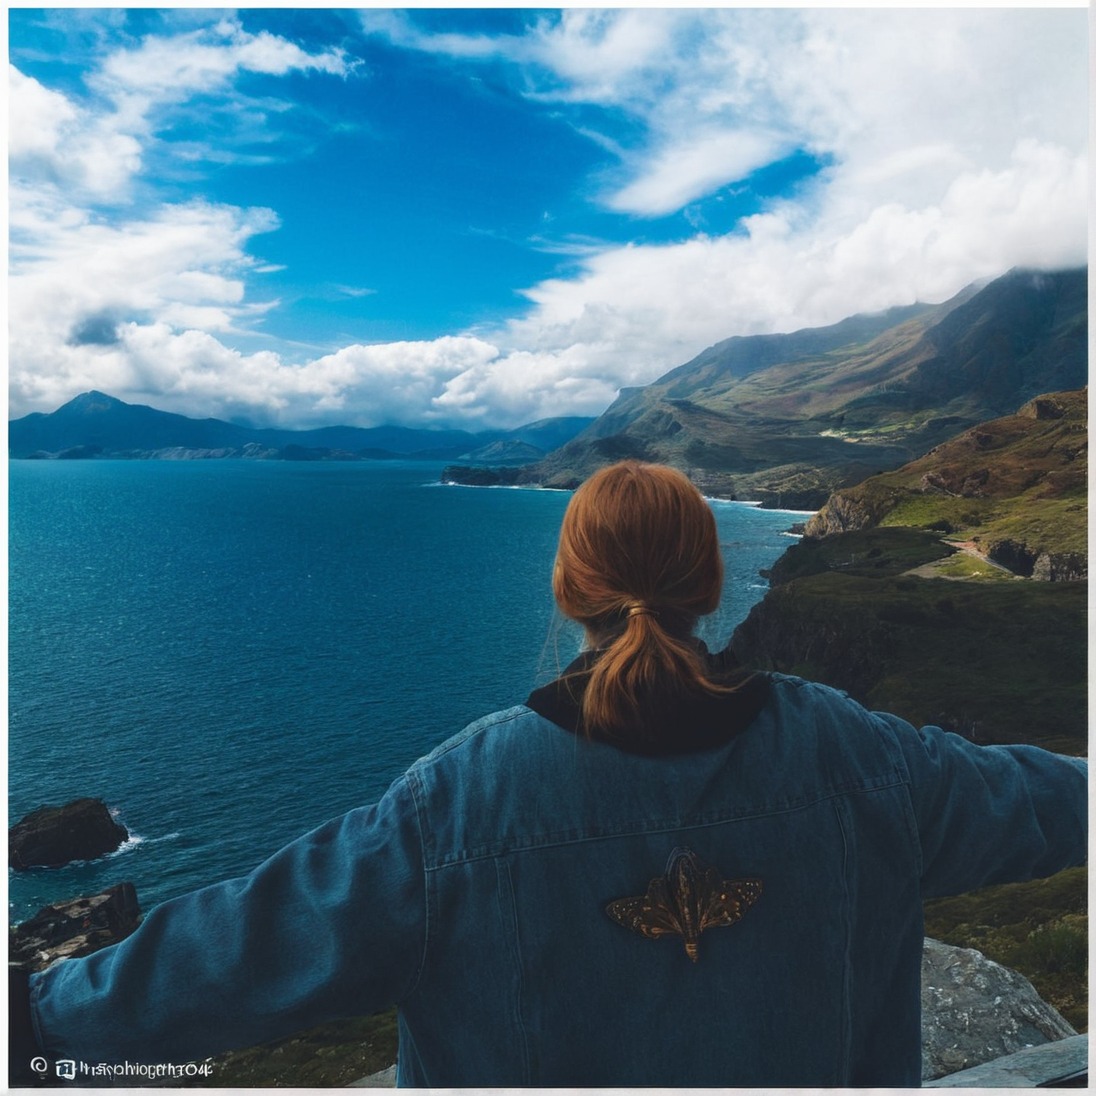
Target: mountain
[(95, 424), (99, 422), (789, 418), (530, 442)]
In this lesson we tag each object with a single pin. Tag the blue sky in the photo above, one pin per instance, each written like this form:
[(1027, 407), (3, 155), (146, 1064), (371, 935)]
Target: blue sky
[(482, 217)]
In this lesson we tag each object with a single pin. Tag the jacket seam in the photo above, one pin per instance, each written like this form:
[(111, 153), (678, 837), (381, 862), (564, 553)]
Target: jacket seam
[(558, 840), (427, 884), (846, 995), (506, 894)]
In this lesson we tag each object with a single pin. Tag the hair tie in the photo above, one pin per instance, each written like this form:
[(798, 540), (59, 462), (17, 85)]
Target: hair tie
[(638, 608)]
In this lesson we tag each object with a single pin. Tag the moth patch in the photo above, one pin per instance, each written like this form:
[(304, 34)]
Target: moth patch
[(690, 897)]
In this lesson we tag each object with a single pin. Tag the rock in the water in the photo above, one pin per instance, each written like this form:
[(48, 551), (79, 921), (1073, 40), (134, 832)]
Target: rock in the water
[(67, 930), (974, 1010), (52, 836)]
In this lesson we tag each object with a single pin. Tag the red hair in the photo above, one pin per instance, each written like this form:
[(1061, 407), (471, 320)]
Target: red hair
[(638, 563)]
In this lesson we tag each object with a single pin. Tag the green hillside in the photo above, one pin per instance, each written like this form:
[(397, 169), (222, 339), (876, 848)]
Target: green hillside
[(1014, 488)]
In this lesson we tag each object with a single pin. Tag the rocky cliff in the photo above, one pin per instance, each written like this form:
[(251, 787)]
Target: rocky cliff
[(68, 930), (998, 661)]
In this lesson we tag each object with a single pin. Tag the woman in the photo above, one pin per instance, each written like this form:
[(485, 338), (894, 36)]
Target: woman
[(660, 870)]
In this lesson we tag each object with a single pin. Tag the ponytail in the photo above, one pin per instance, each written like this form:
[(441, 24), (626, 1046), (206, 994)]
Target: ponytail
[(638, 563)]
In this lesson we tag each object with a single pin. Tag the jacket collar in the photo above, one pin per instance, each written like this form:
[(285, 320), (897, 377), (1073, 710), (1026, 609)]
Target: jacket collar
[(688, 726)]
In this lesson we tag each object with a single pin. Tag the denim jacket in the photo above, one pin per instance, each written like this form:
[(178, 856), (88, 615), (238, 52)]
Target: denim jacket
[(475, 896)]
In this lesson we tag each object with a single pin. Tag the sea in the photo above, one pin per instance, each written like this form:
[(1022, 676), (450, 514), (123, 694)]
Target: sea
[(231, 652)]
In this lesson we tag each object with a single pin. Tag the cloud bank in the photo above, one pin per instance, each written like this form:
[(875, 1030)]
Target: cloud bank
[(953, 145)]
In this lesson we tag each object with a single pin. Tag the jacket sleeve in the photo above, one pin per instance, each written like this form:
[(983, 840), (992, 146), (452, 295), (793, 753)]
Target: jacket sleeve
[(332, 926), (991, 814)]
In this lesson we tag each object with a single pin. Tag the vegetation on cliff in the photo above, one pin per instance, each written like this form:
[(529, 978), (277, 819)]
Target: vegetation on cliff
[(997, 662), (334, 1055), (1015, 487), (859, 602), (1039, 928)]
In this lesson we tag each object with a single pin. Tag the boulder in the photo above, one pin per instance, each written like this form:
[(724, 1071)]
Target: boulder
[(52, 836), (974, 1010), (1060, 567), (67, 930)]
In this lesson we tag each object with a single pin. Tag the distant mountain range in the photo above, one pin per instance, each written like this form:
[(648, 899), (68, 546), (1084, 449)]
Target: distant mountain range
[(787, 419), (784, 419), (98, 425)]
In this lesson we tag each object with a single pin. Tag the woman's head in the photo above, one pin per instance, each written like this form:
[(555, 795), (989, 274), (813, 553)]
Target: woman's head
[(637, 537), (638, 563)]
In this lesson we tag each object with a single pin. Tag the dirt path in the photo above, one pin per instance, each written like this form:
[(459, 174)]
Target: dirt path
[(966, 547)]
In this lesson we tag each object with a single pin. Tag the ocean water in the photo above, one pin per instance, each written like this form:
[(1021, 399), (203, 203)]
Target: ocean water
[(229, 652)]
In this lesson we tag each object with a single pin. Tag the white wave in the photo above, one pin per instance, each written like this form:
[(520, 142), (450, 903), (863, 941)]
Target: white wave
[(758, 505), (136, 839), (495, 486)]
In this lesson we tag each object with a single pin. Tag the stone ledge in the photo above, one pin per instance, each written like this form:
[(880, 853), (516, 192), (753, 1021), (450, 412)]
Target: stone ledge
[(1060, 1064), (386, 1078)]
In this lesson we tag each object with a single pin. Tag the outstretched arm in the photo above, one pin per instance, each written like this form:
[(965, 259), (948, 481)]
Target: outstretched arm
[(332, 926), (992, 814)]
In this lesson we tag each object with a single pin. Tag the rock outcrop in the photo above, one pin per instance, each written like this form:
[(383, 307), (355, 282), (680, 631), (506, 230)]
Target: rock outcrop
[(974, 1010), (67, 930), (1044, 566), (52, 836)]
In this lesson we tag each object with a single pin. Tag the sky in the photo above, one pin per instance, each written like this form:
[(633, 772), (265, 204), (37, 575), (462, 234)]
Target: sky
[(480, 218)]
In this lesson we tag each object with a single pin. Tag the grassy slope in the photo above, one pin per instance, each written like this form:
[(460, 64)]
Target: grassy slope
[(1020, 478)]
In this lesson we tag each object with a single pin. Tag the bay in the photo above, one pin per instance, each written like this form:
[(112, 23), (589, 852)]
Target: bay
[(231, 652)]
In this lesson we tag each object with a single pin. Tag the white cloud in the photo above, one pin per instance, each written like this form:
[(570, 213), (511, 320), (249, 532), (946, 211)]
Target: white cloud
[(77, 281), (94, 152), (96, 280), (38, 118), (162, 69), (57, 143), (695, 167), (898, 100), (955, 142), (666, 303), (955, 146)]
